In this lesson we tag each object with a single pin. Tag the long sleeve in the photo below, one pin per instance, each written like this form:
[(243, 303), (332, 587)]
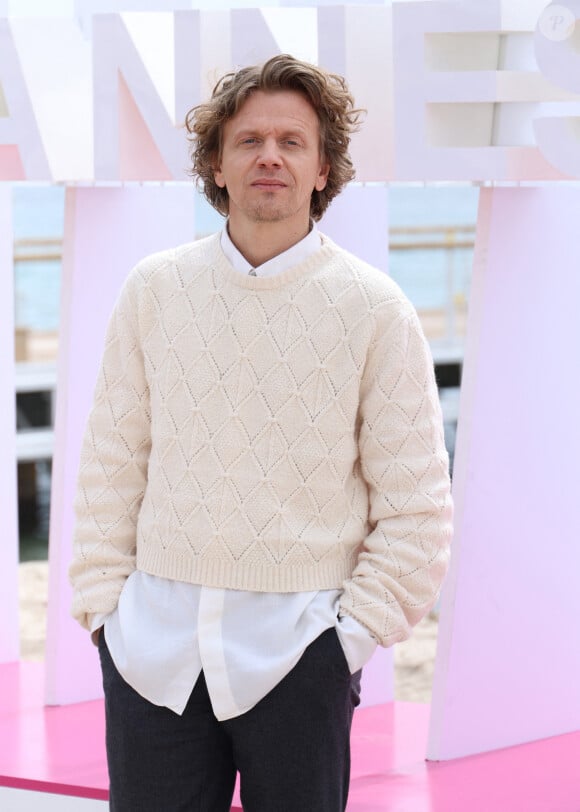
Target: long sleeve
[(113, 466), (405, 465)]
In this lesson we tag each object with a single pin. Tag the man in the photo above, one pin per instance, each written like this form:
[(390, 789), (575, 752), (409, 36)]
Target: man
[(263, 492)]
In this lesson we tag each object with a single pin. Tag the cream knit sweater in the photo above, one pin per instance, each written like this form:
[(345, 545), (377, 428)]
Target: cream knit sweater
[(267, 434)]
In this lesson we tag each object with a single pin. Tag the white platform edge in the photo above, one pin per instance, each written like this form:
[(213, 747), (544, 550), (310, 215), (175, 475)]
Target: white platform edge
[(24, 800)]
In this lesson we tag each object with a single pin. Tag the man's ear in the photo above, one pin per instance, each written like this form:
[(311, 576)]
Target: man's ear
[(218, 177), (322, 177)]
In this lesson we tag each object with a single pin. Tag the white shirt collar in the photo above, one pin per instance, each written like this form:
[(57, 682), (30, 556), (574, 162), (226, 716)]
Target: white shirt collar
[(287, 259)]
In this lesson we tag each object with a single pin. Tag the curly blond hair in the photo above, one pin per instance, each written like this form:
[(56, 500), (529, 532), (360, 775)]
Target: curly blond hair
[(327, 93)]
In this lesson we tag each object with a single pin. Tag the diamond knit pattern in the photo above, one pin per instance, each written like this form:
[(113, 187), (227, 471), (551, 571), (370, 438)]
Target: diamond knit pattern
[(269, 434)]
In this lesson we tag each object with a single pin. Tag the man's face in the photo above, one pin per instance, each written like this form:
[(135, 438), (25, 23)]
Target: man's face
[(270, 161)]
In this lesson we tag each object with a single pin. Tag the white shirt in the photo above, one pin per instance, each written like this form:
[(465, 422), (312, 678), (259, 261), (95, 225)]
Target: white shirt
[(164, 632)]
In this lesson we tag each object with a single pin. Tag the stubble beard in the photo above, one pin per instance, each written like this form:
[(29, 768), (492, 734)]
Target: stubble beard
[(268, 211)]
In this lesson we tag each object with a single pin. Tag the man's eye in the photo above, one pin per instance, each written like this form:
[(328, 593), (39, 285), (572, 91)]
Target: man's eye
[(249, 140)]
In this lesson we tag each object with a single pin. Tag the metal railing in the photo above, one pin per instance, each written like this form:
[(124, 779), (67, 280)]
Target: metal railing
[(38, 249), (445, 325)]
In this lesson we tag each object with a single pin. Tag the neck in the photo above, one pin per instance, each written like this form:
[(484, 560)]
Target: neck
[(260, 242)]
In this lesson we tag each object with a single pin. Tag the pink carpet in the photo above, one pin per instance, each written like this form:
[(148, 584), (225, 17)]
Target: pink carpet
[(61, 750)]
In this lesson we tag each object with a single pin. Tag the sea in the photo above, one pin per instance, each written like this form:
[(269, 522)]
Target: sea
[(423, 273)]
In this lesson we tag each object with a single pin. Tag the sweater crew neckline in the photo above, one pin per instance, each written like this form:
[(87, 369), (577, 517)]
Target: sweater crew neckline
[(222, 265)]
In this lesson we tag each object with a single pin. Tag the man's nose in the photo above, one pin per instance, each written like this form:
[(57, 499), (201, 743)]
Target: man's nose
[(269, 154)]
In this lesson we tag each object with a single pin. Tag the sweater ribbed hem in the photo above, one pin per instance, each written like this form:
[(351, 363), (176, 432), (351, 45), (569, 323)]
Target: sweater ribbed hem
[(304, 577)]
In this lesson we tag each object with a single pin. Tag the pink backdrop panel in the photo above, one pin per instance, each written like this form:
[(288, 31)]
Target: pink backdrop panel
[(358, 220), (508, 664), (107, 230), (9, 646)]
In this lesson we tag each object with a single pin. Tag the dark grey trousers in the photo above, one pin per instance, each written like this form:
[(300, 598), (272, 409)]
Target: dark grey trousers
[(292, 749)]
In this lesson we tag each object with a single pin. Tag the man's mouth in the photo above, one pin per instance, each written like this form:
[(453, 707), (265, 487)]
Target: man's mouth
[(269, 184)]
